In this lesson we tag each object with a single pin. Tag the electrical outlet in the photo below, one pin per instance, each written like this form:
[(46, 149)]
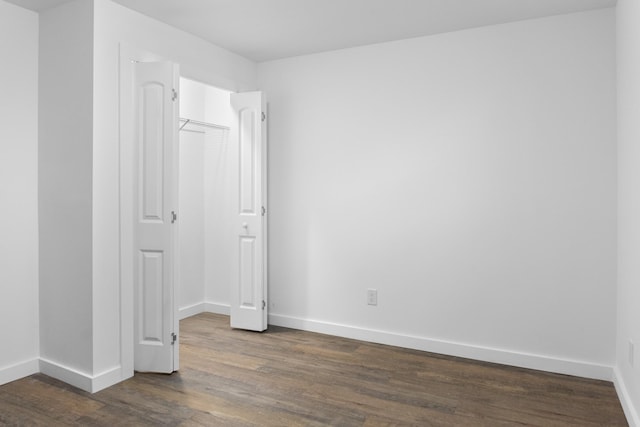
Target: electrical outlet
[(631, 353), (372, 296)]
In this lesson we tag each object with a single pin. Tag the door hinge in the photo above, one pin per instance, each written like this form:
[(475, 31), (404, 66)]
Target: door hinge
[(174, 338), (264, 304), (174, 217), (174, 94), (264, 116), (264, 210)]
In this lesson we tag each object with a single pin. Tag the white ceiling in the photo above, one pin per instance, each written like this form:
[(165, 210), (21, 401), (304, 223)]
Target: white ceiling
[(37, 5), (263, 30)]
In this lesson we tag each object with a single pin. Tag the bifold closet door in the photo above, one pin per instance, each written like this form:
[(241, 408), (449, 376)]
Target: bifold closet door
[(249, 287), (155, 201)]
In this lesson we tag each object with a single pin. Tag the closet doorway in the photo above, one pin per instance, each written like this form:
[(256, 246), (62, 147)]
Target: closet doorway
[(205, 199), (221, 263), (225, 269)]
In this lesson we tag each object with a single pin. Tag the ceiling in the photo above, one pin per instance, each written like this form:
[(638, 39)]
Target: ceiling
[(37, 5), (264, 30)]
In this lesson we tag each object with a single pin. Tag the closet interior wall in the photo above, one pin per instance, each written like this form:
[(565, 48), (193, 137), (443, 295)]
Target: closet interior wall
[(204, 200)]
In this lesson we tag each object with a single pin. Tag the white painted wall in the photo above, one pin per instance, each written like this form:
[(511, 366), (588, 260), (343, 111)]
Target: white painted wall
[(219, 184), (628, 38), (218, 221), (469, 177), (19, 192), (191, 205), (205, 194), (199, 60), (218, 106), (65, 187), (192, 215), (192, 99)]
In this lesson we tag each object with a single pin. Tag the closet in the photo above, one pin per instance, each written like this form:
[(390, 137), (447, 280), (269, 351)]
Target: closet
[(193, 194), (205, 178)]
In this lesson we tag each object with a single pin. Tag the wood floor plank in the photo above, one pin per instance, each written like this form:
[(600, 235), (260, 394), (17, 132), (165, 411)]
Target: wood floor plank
[(284, 377)]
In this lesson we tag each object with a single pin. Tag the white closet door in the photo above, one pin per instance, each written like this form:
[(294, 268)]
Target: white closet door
[(249, 287), (155, 198)]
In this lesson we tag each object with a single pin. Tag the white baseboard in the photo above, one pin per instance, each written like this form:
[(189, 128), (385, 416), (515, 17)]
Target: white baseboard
[(630, 411), (106, 379), (19, 370), (218, 308), (486, 354), (204, 307), (68, 375), (81, 380), (191, 310)]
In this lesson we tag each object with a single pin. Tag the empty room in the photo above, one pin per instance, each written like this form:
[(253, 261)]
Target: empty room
[(320, 212)]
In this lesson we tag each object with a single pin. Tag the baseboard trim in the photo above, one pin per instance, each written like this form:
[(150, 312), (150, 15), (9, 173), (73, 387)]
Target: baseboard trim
[(631, 412), (217, 308), (19, 370), (486, 354), (191, 310), (106, 379), (81, 380), (204, 307), (68, 375)]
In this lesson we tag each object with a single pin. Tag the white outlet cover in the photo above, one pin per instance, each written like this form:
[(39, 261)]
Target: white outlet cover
[(372, 296)]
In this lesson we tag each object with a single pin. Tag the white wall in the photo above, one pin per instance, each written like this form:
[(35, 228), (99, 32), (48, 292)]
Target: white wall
[(219, 207), (628, 32), (198, 59), (65, 188), (19, 192), (192, 215), (205, 194), (191, 205), (469, 177)]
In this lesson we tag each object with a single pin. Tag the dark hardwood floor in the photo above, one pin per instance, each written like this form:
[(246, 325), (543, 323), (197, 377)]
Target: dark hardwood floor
[(285, 377)]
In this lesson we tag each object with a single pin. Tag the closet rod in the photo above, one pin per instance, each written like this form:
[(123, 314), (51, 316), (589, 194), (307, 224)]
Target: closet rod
[(199, 123)]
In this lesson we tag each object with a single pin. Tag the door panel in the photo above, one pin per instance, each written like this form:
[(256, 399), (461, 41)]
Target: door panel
[(151, 297), (249, 290), (151, 165), (248, 297), (248, 153), (156, 120)]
